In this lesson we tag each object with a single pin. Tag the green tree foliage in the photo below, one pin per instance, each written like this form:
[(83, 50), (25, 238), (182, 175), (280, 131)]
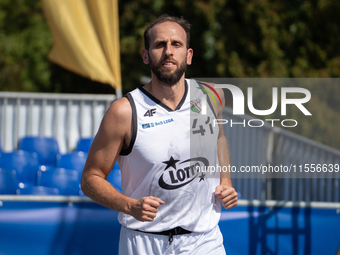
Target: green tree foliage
[(25, 40), (24, 43), (243, 38), (240, 39)]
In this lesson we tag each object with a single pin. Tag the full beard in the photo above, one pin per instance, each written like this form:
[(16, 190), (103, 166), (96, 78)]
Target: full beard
[(167, 75)]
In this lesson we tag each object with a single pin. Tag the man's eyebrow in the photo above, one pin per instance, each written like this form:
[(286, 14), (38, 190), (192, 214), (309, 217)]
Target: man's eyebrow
[(164, 41), (159, 41)]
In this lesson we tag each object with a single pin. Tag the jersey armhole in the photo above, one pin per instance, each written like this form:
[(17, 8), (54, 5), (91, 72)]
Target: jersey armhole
[(134, 127)]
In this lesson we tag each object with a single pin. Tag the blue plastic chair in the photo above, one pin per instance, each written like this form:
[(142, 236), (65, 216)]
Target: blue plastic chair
[(25, 163), (65, 180), (47, 148), (36, 190), (73, 160), (8, 182), (84, 144)]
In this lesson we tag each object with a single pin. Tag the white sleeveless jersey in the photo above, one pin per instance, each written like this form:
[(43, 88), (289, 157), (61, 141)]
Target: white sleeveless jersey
[(169, 152)]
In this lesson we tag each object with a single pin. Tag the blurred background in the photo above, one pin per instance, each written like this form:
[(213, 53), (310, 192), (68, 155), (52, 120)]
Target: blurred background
[(298, 39)]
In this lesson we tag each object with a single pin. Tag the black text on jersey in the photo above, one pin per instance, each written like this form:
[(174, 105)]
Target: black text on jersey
[(150, 113)]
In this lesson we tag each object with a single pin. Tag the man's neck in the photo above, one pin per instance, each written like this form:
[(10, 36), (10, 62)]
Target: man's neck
[(169, 95)]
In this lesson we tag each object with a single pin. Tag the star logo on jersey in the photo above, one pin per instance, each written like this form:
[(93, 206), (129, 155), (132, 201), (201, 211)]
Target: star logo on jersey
[(170, 163), (177, 174), (202, 177)]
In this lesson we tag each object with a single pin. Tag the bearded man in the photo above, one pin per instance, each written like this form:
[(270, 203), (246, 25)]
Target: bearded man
[(166, 206)]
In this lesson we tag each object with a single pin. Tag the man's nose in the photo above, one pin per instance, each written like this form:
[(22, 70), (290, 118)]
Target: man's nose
[(168, 50)]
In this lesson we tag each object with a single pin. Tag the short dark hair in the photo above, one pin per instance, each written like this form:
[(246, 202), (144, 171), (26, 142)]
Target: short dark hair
[(164, 18)]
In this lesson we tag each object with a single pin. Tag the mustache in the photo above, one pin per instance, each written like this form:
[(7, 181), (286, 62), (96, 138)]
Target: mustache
[(168, 59)]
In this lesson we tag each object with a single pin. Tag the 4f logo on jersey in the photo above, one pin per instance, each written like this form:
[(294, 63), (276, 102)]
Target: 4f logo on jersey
[(150, 113), (177, 175)]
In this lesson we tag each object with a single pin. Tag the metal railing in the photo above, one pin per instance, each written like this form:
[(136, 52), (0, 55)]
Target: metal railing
[(305, 153), (275, 146), (64, 116)]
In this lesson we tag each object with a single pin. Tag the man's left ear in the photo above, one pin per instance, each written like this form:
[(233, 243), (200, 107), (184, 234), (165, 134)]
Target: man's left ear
[(145, 56), (190, 53)]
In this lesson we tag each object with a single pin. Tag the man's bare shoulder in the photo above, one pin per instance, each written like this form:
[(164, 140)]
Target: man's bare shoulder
[(119, 114), (120, 108)]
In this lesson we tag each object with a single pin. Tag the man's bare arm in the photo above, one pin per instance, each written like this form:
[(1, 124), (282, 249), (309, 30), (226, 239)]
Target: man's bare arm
[(225, 190), (113, 135)]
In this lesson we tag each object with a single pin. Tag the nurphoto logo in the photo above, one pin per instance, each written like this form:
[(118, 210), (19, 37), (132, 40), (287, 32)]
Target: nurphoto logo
[(239, 104)]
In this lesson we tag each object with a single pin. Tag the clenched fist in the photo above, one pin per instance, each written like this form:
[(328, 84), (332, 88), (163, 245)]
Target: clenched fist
[(145, 209), (228, 196)]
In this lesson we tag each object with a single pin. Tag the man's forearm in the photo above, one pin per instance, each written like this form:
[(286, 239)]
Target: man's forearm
[(102, 192), (223, 157), (226, 182)]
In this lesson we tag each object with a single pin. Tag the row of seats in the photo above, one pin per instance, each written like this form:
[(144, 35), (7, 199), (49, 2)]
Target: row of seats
[(38, 168), (27, 163), (49, 181), (47, 149)]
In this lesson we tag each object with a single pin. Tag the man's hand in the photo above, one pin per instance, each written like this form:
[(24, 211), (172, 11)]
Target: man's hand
[(228, 196), (145, 209)]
